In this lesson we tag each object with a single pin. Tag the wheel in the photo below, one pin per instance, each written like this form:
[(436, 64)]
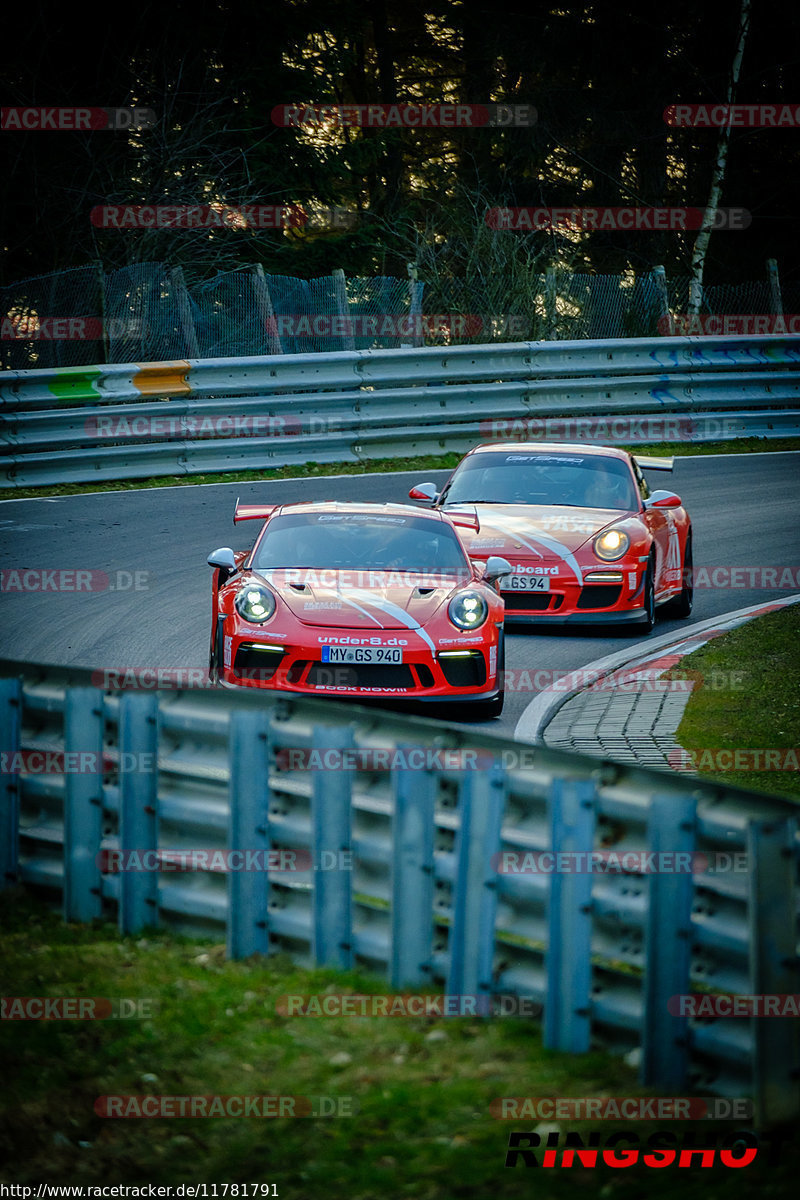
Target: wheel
[(649, 618), (486, 710), (681, 605), (215, 655)]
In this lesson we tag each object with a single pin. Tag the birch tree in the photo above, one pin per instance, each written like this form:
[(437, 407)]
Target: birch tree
[(718, 174)]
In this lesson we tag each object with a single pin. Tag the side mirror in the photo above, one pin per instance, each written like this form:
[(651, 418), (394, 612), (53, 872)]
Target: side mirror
[(496, 567), (223, 558), (663, 499), (424, 491)]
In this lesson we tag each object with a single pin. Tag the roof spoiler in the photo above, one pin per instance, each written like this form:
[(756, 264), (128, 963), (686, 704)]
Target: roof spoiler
[(252, 512), (654, 464)]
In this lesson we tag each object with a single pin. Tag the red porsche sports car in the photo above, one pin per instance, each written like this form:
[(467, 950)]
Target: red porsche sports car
[(347, 599), (588, 540)]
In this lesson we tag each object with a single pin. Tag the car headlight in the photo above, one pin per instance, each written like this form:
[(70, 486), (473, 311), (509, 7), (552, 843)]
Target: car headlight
[(611, 545), (468, 610), (255, 603)]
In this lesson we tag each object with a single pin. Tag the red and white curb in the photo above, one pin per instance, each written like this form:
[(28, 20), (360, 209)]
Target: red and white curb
[(645, 661)]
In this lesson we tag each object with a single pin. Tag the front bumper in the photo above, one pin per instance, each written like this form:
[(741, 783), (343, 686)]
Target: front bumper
[(619, 617), (465, 674), (568, 602)]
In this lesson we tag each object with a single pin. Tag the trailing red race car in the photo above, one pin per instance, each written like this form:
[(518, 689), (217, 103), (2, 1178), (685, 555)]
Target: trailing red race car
[(588, 540), (359, 600)]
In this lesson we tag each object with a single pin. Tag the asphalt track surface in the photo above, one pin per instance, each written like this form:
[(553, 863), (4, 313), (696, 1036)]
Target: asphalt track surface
[(745, 513)]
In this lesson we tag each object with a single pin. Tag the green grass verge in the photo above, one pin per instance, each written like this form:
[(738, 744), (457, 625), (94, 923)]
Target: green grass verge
[(424, 462), (422, 1086), (750, 698)]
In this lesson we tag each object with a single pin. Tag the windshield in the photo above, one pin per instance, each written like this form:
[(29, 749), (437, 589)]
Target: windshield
[(343, 541), (585, 481)]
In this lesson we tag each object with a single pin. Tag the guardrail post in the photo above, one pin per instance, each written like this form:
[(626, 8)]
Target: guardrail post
[(248, 829), (266, 311), (772, 917), (83, 803), (412, 875), (10, 745), (665, 317), (775, 298), (550, 294), (415, 289), (138, 818), (331, 797), (471, 941), (567, 1014), (343, 307), (668, 943), (191, 348)]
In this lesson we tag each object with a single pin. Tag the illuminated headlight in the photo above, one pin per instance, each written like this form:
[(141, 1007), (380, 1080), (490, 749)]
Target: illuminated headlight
[(255, 603), (468, 610), (611, 545)]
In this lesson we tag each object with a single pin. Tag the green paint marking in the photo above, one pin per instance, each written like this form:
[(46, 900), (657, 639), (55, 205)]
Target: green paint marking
[(76, 383)]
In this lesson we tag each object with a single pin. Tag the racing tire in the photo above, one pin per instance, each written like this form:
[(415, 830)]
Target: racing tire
[(487, 710), (681, 605), (215, 656), (649, 619)]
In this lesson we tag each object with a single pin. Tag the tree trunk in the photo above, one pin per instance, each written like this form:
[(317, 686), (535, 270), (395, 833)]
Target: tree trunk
[(718, 175)]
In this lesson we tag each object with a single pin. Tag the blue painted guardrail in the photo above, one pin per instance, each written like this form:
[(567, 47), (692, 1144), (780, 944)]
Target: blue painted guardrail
[(135, 420), (414, 821)]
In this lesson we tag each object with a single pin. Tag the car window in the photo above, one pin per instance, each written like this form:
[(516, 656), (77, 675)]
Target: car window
[(644, 490), (343, 541), (587, 481)]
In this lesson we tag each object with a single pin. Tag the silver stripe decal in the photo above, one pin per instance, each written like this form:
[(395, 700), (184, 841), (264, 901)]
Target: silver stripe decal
[(394, 610), (544, 539), (352, 603)]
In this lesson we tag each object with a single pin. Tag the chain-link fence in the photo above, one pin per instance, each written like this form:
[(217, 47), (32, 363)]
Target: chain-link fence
[(144, 307), (53, 320), (150, 312)]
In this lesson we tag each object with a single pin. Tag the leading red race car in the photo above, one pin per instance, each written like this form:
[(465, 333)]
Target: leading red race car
[(359, 600), (588, 540)]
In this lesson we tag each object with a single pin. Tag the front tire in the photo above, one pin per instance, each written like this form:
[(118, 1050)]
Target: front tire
[(649, 618), (215, 655), (487, 710)]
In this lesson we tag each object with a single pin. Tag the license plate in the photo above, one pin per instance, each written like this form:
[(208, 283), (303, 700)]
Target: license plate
[(524, 583), (362, 654)]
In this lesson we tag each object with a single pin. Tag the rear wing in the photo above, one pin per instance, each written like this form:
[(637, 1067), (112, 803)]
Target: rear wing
[(469, 522), (654, 464), (252, 512)]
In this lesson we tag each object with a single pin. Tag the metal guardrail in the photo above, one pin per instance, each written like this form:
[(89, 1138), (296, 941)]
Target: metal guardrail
[(137, 420), (424, 903)]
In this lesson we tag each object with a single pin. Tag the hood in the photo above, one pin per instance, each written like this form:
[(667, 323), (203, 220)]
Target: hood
[(546, 531), (368, 600)]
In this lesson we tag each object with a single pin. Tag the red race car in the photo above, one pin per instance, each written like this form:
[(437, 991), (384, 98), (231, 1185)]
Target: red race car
[(345, 599), (588, 540)]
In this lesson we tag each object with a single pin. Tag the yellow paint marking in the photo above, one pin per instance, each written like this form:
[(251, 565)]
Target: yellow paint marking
[(162, 379)]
